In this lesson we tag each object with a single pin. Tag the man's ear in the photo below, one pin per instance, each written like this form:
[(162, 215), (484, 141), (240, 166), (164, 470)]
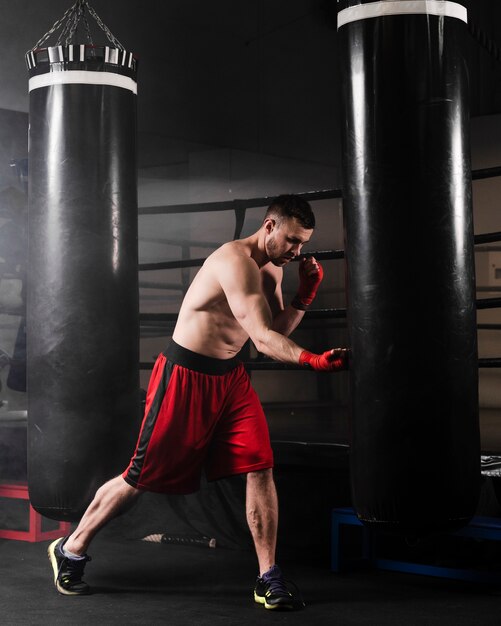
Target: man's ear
[(269, 224)]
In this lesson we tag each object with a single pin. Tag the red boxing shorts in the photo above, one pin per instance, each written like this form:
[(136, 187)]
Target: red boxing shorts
[(201, 414)]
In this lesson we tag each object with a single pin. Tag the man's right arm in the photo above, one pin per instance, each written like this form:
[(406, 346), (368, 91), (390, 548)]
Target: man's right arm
[(240, 279)]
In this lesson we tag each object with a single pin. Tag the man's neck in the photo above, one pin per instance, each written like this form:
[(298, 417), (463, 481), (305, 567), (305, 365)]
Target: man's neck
[(257, 249)]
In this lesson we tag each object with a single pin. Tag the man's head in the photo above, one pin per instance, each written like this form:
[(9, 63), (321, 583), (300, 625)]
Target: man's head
[(288, 225), (292, 206)]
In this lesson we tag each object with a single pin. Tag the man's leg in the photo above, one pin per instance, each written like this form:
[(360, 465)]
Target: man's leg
[(68, 556), (262, 516), (111, 499)]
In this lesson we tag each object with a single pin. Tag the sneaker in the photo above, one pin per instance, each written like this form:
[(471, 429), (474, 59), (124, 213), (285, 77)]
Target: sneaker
[(68, 572), (272, 591)]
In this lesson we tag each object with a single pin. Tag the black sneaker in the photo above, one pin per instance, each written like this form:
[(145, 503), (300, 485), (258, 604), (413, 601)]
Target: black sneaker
[(68, 572), (271, 590)]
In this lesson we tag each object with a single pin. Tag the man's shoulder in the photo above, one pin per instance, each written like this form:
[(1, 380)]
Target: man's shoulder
[(231, 251), (232, 261)]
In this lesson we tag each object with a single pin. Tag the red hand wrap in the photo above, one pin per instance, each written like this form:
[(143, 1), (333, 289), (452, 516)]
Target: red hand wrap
[(330, 361), (308, 286)]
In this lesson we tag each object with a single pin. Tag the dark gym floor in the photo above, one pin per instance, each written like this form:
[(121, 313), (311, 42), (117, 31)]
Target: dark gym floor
[(137, 582)]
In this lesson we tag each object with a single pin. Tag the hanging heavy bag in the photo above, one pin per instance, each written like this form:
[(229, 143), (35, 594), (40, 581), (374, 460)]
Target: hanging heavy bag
[(415, 458), (82, 301)]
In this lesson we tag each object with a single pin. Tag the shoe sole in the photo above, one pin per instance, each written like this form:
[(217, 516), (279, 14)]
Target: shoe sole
[(53, 561), (272, 607)]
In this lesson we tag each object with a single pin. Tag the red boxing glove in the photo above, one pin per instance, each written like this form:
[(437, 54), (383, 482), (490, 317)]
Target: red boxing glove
[(333, 360), (310, 277)]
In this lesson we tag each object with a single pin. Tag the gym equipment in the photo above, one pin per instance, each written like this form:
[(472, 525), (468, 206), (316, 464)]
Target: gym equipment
[(82, 302), (415, 449)]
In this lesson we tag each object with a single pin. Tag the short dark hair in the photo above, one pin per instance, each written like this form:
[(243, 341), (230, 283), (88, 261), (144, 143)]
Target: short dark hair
[(291, 205)]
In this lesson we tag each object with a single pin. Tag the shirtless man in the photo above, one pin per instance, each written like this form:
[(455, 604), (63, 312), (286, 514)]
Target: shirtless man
[(201, 411)]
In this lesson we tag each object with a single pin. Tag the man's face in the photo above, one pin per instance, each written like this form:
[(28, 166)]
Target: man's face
[(285, 240)]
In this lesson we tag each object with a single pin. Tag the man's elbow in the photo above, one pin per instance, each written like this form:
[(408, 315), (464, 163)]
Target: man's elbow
[(260, 346), (261, 342)]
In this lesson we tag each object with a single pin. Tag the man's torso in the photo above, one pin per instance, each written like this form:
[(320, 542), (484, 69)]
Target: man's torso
[(206, 323)]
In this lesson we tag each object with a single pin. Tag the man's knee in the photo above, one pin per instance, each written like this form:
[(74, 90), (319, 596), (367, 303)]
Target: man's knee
[(117, 487)]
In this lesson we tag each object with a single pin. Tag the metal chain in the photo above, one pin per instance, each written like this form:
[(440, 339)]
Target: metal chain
[(74, 14), (103, 27), (64, 30), (77, 15), (87, 30), (55, 26), (71, 25)]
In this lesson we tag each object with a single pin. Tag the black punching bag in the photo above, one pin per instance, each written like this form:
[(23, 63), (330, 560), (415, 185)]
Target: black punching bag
[(82, 301), (415, 458)]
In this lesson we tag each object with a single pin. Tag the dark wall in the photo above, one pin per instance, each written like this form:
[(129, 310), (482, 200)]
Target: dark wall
[(484, 56)]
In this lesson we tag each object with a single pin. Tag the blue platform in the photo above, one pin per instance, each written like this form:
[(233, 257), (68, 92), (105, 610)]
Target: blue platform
[(487, 528)]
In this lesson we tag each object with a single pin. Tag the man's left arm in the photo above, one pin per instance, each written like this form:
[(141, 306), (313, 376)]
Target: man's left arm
[(285, 320)]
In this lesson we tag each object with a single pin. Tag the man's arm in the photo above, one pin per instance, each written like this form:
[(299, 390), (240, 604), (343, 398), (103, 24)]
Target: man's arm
[(241, 282), (284, 319), (310, 277), (287, 320)]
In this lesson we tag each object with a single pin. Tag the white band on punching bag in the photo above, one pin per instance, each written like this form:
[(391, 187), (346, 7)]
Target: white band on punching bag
[(402, 7), (81, 77)]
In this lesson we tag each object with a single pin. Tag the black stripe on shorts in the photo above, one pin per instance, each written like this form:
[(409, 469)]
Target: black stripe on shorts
[(149, 422)]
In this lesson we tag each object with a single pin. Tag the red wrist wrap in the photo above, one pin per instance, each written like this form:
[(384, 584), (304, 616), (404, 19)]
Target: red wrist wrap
[(326, 362), (308, 286)]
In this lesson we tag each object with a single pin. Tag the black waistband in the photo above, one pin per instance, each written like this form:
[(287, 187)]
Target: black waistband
[(199, 362)]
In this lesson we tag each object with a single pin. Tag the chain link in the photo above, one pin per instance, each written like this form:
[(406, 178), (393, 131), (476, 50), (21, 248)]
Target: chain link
[(70, 26), (72, 18), (103, 27), (55, 26), (87, 30)]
